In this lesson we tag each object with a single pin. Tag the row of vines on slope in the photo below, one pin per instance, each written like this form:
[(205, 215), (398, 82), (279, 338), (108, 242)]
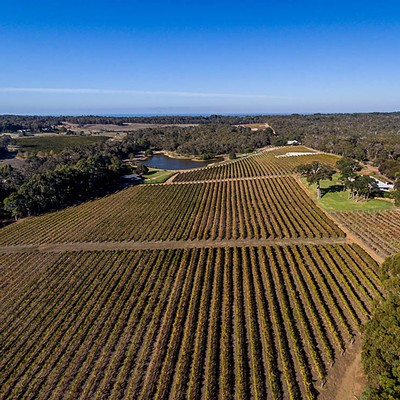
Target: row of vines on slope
[(238, 322), (266, 208), (267, 163), (380, 230)]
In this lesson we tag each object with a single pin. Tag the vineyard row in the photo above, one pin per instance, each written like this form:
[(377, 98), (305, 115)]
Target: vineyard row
[(380, 230), (266, 208), (189, 323), (261, 164)]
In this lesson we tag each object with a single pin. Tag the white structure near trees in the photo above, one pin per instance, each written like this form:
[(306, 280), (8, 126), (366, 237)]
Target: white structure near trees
[(384, 186)]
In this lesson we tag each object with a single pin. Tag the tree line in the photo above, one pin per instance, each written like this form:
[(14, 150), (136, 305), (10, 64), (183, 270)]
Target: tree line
[(373, 137), (205, 141), (360, 187), (48, 183), (381, 338)]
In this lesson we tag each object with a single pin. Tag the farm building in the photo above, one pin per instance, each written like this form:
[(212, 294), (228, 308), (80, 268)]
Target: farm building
[(384, 186)]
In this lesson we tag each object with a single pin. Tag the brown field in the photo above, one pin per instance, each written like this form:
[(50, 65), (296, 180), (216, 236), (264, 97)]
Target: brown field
[(121, 129)]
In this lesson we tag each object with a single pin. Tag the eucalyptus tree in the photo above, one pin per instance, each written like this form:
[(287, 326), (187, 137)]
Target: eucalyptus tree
[(315, 173)]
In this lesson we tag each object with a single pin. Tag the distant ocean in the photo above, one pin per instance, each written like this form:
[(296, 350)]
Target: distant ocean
[(157, 114), (189, 115)]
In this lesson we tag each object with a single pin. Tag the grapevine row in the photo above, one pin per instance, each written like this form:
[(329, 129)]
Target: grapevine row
[(268, 208), (225, 323), (261, 164)]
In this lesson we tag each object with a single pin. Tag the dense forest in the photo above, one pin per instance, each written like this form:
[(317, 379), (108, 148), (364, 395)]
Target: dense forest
[(371, 137), (51, 182), (206, 141), (15, 123)]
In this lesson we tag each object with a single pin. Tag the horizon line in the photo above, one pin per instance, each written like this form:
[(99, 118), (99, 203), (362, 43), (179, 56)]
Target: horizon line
[(134, 92)]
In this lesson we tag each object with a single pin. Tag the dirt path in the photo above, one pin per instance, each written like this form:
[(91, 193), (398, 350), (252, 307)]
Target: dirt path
[(369, 169), (128, 245), (346, 379), (148, 180), (170, 179), (352, 237)]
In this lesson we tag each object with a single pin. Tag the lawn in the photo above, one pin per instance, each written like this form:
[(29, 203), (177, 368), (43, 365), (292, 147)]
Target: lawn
[(45, 144), (335, 199), (157, 176)]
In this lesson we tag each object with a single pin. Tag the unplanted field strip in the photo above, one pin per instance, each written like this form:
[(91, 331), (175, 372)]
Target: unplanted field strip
[(168, 244)]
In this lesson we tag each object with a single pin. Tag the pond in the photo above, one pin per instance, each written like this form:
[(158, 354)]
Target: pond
[(163, 162)]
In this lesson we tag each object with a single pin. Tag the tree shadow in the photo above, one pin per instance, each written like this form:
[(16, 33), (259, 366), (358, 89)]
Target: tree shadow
[(5, 222), (6, 155), (331, 189)]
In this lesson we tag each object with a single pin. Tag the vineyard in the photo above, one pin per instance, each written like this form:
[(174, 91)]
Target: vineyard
[(380, 230), (234, 322), (229, 283), (256, 208), (262, 164)]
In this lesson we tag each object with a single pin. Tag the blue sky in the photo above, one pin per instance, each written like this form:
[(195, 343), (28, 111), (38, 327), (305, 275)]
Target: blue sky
[(117, 57)]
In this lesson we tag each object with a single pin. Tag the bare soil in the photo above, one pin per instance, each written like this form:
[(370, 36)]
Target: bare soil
[(247, 178), (130, 245), (369, 169), (117, 128), (346, 379)]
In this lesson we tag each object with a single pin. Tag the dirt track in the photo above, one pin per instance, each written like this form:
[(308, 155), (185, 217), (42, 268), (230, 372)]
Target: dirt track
[(93, 246), (347, 380)]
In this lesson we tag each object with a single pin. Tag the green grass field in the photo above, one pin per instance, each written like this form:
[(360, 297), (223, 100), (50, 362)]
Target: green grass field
[(157, 176), (45, 144), (335, 199)]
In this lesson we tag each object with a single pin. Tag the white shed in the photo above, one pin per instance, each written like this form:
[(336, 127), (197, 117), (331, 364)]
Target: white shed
[(384, 186)]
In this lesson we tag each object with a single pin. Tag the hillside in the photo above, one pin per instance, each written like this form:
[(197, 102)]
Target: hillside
[(226, 282)]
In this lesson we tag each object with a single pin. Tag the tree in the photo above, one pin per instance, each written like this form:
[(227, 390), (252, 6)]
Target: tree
[(348, 168), (232, 156), (16, 205), (381, 338), (5, 140), (141, 169), (10, 179), (396, 193), (315, 172), (362, 187), (390, 168)]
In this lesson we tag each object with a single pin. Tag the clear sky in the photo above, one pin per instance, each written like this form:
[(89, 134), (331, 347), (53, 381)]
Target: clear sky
[(175, 57)]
